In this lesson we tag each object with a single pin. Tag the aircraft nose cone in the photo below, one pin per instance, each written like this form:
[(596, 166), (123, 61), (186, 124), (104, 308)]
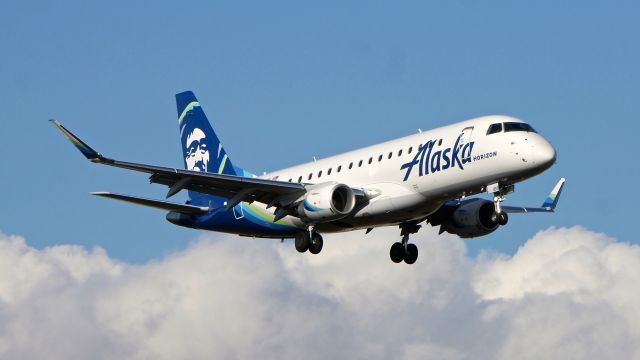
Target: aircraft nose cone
[(544, 154)]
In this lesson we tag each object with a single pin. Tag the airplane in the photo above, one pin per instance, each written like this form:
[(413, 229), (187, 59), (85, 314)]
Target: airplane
[(425, 177)]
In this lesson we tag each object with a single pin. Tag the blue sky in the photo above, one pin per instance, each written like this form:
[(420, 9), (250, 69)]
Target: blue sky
[(286, 81)]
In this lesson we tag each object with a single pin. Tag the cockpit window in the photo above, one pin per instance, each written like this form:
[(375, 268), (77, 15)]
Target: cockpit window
[(516, 126), (494, 128)]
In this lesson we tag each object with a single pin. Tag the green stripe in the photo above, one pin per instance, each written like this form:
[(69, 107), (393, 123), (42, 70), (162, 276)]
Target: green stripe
[(222, 164), (186, 109), (257, 212)]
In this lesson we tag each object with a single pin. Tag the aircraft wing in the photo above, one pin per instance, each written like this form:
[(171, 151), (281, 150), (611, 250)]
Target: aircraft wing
[(445, 212), (549, 204), (235, 188)]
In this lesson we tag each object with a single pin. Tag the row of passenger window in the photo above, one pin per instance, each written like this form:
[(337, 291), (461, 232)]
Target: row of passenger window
[(360, 163)]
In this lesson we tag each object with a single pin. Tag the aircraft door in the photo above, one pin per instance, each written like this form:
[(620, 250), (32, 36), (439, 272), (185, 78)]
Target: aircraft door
[(466, 135)]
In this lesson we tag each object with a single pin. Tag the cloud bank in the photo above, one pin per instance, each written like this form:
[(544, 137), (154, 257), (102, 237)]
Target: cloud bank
[(567, 293)]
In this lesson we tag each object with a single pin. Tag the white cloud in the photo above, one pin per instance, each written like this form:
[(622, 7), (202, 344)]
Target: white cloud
[(566, 293)]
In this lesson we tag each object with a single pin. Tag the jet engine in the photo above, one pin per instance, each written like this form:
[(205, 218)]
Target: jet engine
[(327, 202), (472, 219)]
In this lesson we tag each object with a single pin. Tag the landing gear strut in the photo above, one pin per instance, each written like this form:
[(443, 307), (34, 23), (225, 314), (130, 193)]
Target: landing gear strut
[(500, 216), (309, 240), (403, 250), (499, 192)]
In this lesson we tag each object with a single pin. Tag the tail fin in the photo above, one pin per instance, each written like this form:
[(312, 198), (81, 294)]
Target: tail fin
[(201, 147)]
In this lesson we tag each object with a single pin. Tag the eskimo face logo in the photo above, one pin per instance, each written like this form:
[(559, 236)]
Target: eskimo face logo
[(197, 151), (431, 159)]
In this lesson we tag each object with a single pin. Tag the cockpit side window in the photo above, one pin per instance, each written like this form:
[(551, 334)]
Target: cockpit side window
[(516, 126), (494, 128)]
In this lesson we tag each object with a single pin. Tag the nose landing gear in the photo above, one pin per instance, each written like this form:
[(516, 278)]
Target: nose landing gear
[(499, 216), (499, 192)]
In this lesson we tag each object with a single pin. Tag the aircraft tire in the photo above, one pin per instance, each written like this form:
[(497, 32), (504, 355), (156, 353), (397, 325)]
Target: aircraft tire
[(397, 252), (302, 242), (411, 255), (315, 245), (495, 218), (503, 218)]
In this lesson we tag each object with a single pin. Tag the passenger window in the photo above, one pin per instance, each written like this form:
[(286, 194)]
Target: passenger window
[(494, 128), (516, 126), (370, 160), (380, 158), (329, 172), (410, 149), (439, 142), (300, 179), (310, 175), (350, 166), (290, 180), (399, 152), (390, 155), (339, 168), (360, 163), (419, 147), (320, 173)]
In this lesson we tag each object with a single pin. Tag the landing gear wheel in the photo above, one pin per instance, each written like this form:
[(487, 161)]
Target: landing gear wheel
[(397, 252), (503, 218), (411, 255), (495, 218), (302, 242), (315, 246)]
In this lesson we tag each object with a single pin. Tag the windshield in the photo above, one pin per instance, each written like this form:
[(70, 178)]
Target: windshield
[(517, 126), (494, 128)]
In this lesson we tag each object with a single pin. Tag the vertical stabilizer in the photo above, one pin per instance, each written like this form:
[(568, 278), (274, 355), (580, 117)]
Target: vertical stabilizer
[(201, 147)]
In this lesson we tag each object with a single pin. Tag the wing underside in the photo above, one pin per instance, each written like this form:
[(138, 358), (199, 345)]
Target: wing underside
[(236, 188), (158, 204)]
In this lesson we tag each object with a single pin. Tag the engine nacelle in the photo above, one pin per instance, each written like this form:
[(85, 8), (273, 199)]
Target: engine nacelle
[(327, 202), (472, 219)]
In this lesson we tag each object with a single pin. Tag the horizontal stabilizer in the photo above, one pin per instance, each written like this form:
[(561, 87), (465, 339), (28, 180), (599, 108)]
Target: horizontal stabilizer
[(158, 204)]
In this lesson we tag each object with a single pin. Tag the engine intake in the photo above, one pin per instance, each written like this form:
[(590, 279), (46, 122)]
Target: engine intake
[(327, 202)]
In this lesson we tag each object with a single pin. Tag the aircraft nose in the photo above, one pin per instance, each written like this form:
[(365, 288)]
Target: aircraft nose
[(544, 154)]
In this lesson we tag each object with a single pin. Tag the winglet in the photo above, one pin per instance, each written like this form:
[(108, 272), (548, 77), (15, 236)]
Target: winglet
[(85, 149), (554, 196)]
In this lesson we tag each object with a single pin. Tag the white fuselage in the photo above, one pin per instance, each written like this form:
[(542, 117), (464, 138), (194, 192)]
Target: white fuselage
[(407, 181)]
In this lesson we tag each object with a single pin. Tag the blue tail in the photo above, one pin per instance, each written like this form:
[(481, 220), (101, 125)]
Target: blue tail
[(201, 147)]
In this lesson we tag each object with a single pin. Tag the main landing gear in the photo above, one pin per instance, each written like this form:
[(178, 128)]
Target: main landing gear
[(403, 250), (309, 240)]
